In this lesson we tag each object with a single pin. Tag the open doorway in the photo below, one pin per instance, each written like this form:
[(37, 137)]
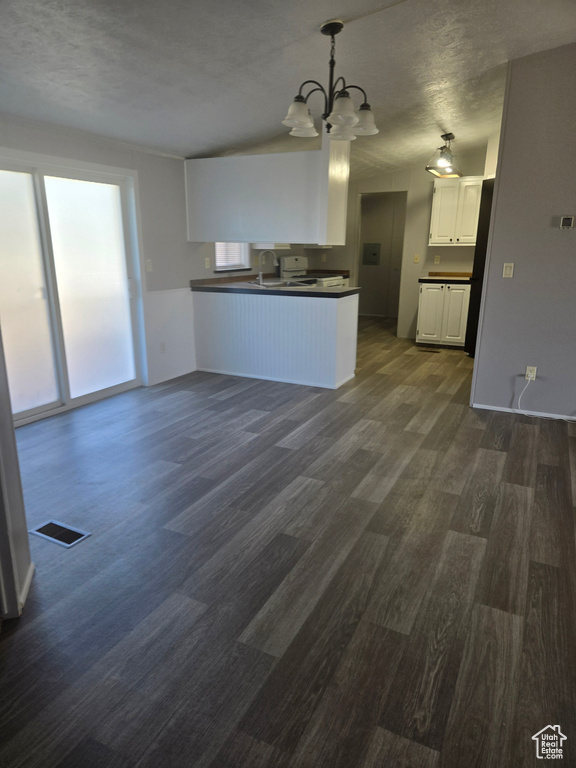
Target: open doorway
[(383, 217)]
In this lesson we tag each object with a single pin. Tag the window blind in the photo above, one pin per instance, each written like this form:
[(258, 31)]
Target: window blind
[(231, 255)]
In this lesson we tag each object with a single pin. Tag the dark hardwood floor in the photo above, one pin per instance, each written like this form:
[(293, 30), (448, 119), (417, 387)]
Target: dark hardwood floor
[(287, 577)]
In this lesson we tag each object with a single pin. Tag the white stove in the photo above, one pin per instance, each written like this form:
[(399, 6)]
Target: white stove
[(295, 268)]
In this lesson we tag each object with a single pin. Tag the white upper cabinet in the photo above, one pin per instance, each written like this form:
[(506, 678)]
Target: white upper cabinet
[(291, 197), (455, 208)]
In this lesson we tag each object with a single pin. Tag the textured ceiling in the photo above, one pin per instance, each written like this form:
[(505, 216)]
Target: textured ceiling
[(201, 78)]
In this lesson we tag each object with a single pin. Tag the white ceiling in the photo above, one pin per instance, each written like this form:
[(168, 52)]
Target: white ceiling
[(198, 78)]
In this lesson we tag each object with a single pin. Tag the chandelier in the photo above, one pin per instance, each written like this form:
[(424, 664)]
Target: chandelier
[(343, 123)]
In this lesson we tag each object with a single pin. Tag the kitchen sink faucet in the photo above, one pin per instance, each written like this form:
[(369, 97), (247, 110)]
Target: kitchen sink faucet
[(261, 256)]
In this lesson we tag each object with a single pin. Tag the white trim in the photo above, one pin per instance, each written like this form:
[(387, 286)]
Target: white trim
[(538, 414), (91, 397), (272, 378), (25, 588), (55, 164)]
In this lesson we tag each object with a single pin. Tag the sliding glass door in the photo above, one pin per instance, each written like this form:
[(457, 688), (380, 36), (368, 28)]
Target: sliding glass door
[(65, 307), (90, 264), (24, 310)]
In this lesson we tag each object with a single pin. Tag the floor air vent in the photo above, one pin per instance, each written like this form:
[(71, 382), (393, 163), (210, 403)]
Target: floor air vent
[(65, 535)]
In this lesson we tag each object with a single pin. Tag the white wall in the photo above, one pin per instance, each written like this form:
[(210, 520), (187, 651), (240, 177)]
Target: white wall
[(170, 346), (162, 229), (531, 319)]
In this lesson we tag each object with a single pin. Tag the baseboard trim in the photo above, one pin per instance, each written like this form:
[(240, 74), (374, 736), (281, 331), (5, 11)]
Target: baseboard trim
[(537, 414), (272, 378)]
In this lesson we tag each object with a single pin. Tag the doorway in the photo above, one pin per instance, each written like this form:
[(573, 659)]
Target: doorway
[(383, 217), (66, 312)]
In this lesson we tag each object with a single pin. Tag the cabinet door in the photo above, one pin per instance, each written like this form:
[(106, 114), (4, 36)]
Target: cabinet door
[(455, 313), (468, 209), (430, 309), (444, 208)]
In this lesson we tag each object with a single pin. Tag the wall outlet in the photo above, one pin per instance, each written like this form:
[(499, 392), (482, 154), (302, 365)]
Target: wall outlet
[(416, 258), (437, 259), (508, 270), (148, 265), (323, 257), (207, 262), (531, 373)]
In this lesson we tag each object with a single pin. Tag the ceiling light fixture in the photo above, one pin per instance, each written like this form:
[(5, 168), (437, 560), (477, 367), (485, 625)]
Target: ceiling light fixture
[(443, 163), (342, 121)]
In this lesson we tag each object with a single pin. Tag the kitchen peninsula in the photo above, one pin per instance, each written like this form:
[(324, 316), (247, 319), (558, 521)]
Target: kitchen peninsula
[(290, 333)]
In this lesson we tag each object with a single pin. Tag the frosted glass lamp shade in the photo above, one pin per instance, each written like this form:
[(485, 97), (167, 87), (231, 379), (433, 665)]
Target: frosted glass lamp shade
[(342, 133), (343, 111), (365, 125), (298, 115), (304, 132)]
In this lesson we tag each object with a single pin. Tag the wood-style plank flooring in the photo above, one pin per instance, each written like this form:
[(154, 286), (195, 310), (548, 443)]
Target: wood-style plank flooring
[(288, 577)]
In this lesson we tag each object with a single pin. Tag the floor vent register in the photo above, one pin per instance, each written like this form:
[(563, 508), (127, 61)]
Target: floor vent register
[(65, 535)]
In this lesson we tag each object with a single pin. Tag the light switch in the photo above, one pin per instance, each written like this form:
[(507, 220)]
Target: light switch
[(508, 270), (207, 262), (416, 258), (148, 265)]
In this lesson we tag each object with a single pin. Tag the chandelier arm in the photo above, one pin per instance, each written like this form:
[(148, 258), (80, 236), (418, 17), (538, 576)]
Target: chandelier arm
[(314, 82), (336, 89), (321, 89), (357, 87)]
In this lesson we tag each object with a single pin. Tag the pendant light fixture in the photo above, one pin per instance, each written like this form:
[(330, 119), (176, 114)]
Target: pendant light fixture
[(342, 120), (443, 163)]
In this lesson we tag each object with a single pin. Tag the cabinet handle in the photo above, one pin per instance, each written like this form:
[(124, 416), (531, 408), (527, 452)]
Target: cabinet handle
[(457, 239), (450, 239)]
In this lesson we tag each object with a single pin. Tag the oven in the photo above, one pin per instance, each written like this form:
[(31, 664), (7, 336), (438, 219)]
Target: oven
[(296, 268)]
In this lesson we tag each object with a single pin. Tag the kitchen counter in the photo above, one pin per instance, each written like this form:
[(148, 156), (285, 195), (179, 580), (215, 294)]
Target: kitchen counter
[(295, 334), (280, 290), (446, 277)]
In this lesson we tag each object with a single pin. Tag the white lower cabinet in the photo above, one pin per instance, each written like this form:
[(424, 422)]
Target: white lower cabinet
[(443, 313)]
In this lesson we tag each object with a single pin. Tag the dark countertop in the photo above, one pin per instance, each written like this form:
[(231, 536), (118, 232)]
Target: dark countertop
[(443, 279), (298, 290)]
